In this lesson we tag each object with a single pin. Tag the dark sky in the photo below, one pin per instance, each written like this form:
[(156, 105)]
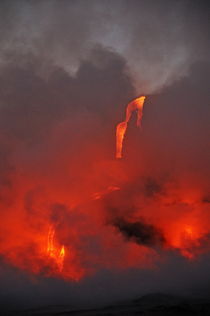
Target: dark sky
[(68, 68)]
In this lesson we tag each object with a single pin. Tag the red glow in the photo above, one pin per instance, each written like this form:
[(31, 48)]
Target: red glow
[(58, 221), (56, 253)]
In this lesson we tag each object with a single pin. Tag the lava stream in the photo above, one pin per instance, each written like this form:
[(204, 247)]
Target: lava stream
[(135, 105), (53, 252)]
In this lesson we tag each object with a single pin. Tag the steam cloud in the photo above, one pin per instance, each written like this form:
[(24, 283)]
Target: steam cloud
[(156, 39), (67, 69)]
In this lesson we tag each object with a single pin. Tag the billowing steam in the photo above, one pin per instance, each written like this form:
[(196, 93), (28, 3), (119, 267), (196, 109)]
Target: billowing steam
[(156, 39), (70, 212)]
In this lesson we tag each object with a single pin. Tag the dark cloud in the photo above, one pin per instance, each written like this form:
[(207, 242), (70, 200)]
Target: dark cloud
[(31, 106), (206, 199), (140, 232)]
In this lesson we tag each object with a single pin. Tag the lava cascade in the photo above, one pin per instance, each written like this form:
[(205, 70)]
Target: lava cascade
[(83, 212), (135, 105)]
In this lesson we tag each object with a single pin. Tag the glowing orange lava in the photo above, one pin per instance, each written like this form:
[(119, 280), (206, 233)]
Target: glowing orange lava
[(59, 218), (56, 253), (135, 105)]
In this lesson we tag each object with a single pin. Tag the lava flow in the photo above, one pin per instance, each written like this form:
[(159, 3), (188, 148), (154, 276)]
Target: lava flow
[(135, 105), (78, 212), (56, 253)]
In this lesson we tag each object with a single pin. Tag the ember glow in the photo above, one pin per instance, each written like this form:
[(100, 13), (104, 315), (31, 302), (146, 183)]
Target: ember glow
[(104, 151), (135, 105), (84, 212), (56, 253), (69, 209)]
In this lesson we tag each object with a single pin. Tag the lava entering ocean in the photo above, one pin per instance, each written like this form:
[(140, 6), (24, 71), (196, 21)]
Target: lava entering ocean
[(80, 212)]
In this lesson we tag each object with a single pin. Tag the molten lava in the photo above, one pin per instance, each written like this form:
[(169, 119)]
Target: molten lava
[(108, 215), (53, 251), (135, 105)]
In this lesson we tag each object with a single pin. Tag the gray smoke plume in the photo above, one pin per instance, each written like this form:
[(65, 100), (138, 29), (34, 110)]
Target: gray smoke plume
[(159, 40)]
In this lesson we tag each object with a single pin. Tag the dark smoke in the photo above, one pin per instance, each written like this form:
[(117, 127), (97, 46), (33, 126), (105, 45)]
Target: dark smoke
[(206, 199), (140, 232)]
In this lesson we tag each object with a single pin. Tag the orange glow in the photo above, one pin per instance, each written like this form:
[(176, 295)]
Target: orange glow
[(61, 258), (135, 105), (120, 134), (185, 238), (99, 195), (189, 231), (54, 252), (58, 219)]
